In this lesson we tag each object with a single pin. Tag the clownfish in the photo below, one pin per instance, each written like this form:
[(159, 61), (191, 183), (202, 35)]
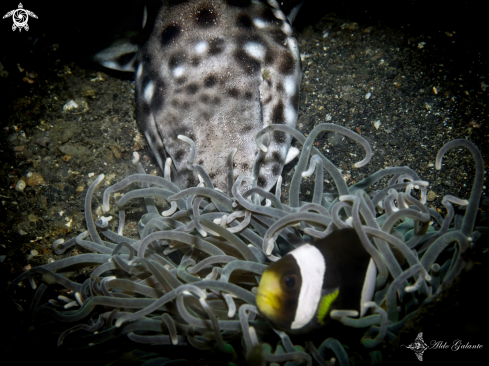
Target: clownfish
[(297, 293)]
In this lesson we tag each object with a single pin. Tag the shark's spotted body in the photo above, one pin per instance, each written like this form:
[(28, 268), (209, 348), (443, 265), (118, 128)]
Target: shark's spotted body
[(218, 72)]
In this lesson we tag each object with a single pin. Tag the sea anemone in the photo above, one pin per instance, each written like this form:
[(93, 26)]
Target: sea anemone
[(191, 276)]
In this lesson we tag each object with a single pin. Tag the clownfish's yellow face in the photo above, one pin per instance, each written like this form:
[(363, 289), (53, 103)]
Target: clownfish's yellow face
[(290, 289), (278, 292)]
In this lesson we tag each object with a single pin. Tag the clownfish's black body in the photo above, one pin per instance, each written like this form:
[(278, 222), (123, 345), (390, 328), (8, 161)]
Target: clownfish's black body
[(298, 292)]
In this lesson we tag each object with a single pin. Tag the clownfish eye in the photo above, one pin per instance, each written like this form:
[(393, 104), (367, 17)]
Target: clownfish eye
[(289, 282)]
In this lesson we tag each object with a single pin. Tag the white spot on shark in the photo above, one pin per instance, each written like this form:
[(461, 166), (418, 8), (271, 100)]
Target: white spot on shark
[(259, 23), (293, 46), (290, 85), (201, 47), (287, 29), (255, 50), (290, 115), (148, 92), (139, 71), (178, 71), (279, 14)]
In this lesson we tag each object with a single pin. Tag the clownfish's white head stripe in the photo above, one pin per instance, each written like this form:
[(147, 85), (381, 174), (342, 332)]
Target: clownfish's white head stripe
[(312, 266)]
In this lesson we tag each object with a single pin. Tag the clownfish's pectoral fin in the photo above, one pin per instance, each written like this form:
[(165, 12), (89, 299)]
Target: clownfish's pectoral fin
[(368, 289), (325, 305)]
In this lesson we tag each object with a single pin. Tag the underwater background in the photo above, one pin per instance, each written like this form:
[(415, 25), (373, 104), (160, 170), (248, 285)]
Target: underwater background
[(406, 77)]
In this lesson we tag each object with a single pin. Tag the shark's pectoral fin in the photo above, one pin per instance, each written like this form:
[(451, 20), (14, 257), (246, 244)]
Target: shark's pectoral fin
[(120, 55)]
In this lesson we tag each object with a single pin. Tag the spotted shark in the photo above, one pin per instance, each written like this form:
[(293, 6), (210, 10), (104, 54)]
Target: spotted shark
[(217, 72)]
